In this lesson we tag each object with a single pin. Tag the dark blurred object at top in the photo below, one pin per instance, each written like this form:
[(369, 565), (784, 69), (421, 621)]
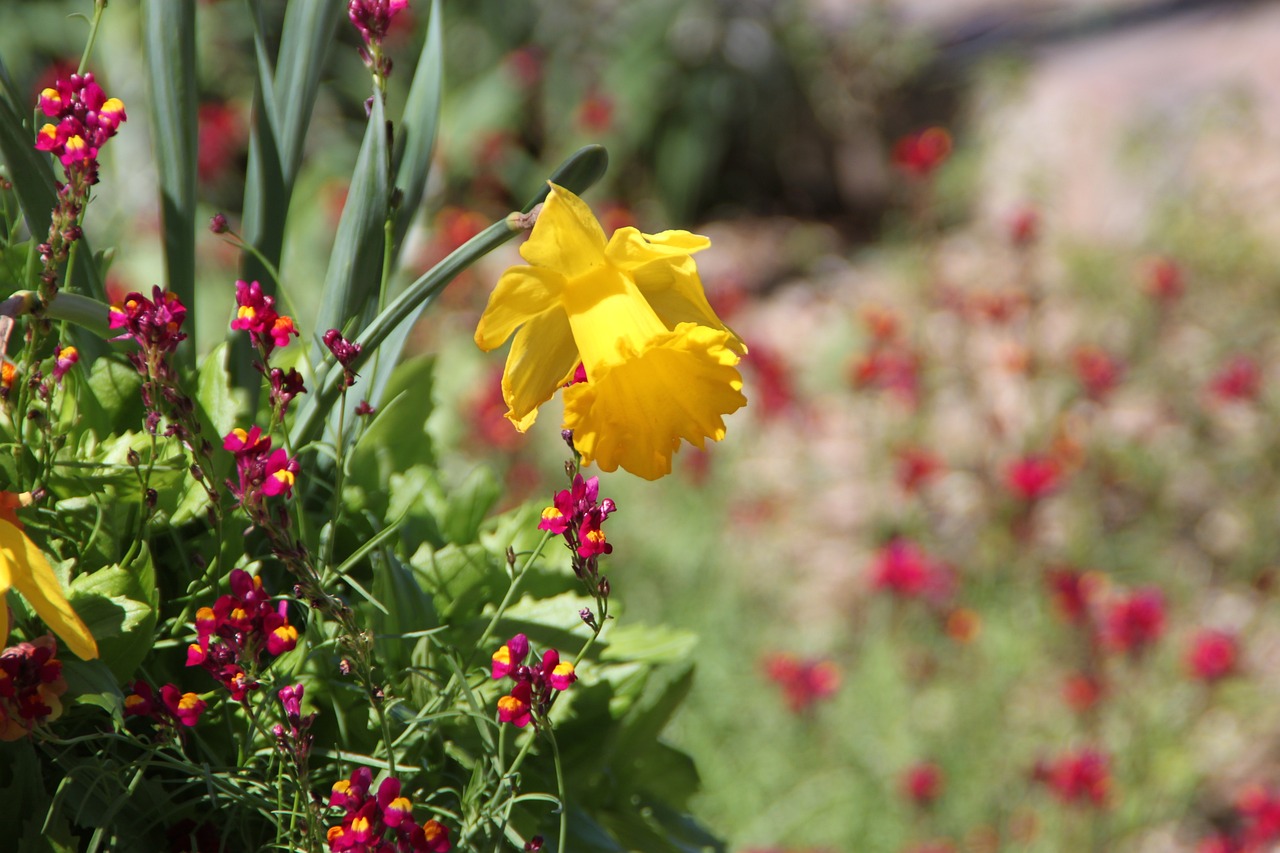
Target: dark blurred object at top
[(729, 107)]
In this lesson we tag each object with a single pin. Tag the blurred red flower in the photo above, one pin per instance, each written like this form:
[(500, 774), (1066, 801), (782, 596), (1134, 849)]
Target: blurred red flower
[(1135, 621), (919, 154), (1163, 280), (1097, 370), (1239, 380), (803, 682), (1033, 476), (1212, 655), (923, 783), (915, 467), (1082, 777)]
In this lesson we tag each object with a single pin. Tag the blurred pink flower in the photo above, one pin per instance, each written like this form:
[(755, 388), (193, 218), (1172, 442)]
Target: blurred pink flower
[(1212, 655)]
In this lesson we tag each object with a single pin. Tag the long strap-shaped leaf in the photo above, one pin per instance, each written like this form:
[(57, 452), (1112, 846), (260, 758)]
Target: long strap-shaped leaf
[(578, 173), (169, 45), (283, 102), (415, 142), (416, 135), (355, 264)]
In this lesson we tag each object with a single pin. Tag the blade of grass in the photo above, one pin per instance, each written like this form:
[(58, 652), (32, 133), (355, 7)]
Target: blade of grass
[(169, 46)]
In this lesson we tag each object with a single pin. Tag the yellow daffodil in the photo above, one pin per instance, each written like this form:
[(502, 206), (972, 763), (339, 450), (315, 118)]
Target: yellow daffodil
[(659, 364), (24, 567)]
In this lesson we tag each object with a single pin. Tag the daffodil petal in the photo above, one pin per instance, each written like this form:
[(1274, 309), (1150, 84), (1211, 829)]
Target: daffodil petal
[(628, 248), (567, 237), (633, 414), (674, 291), (543, 357), (521, 294), (31, 574)]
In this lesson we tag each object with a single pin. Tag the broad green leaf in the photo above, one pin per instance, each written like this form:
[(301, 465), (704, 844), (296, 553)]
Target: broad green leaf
[(462, 510), (654, 644), (397, 439), (118, 606), (215, 394), (91, 682), (461, 579), (111, 399), (169, 47)]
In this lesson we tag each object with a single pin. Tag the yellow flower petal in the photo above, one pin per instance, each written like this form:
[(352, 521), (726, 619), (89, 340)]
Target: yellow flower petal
[(567, 237), (30, 573), (633, 414), (521, 294), (543, 357), (628, 248)]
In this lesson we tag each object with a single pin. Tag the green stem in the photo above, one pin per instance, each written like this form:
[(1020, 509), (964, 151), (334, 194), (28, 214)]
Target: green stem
[(564, 805), (99, 6)]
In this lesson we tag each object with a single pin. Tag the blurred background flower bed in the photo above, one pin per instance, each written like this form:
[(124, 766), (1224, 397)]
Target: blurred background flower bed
[(989, 561)]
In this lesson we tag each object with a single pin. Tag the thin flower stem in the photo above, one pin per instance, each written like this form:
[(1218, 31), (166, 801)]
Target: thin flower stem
[(99, 6), (560, 792)]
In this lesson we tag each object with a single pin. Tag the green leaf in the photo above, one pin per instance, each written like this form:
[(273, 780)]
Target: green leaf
[(461, 579), (214, 392), (398, 431), (416, 135), (283, 103), (91, 682), (119, 607), (409, 609), (169, 47), (111, 399), (654, 644), (465, 507), (355, 264)]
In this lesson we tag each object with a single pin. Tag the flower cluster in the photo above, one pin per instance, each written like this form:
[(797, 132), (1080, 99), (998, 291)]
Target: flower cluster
[(263, 472), (803, 682), (659, 365), (268, 330), (296, 740), (1082, 777), (31, 683), (86, 118), (536, 684), (345, 351), (373, 19), (256, 314), (233, 634), (173, 707), (155, 324), (578, 514), (368, 821)]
